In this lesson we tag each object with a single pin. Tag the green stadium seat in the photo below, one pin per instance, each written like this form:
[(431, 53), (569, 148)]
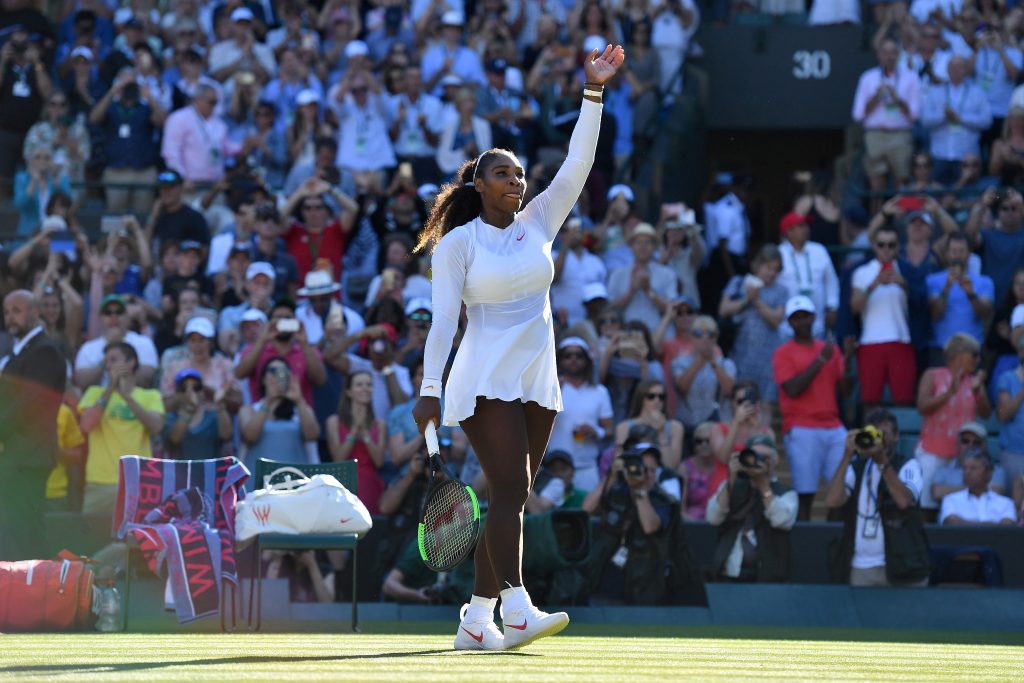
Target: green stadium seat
[(907, 418), (347, 474)]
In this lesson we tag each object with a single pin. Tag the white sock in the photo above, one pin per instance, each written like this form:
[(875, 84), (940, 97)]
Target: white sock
[(481, 609), (514, 597)]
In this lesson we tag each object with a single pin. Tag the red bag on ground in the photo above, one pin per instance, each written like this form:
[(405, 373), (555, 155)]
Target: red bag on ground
[(46, 595)]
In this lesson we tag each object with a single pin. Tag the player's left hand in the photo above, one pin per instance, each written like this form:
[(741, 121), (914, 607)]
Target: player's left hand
[(599, 68)]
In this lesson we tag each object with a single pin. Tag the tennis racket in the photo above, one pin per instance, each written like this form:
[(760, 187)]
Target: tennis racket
[(450, 522)]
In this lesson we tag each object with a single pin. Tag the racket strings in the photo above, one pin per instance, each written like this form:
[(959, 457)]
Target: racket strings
[(450, 525)]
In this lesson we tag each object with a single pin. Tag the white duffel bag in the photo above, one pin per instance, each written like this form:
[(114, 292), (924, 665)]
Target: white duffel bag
[(301, 505)]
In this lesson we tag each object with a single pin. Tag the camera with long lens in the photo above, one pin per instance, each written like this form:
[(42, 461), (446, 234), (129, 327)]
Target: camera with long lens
[(751, 458), (868, 438)]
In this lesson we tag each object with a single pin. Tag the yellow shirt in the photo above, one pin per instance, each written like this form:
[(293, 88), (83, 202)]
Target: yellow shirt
[(68, 436), (118, 433)]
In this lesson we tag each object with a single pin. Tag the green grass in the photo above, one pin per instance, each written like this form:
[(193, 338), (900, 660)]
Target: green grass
[(581, 656)]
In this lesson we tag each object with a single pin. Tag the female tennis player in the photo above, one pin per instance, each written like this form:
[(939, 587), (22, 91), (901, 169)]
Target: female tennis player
[(503, 387)]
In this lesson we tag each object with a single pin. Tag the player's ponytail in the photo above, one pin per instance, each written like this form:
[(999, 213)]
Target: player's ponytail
[(457, 203)]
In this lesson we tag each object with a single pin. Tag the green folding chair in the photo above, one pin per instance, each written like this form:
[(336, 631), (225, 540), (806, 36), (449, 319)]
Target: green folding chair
[(346, 473)]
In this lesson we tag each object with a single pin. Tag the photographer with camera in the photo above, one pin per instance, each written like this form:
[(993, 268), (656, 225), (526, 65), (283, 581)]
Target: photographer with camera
[(630, 540), (883, 541), (754, 513)]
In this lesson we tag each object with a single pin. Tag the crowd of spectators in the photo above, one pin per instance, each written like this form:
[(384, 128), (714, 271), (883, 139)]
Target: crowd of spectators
[(266, 168)]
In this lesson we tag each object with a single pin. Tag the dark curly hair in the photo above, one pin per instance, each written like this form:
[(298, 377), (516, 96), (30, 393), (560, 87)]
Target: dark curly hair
[(458, 202)]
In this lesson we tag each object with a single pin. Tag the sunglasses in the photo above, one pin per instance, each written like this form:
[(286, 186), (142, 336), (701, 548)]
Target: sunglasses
[(700, 334), (574, 354), (420, 317), (113, 311), (167, 178), (651, 396), (970, 441), (887, 245)]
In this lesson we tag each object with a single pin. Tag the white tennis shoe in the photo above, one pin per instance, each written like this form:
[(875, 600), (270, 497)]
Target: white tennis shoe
[(526, 624), (478, 635)]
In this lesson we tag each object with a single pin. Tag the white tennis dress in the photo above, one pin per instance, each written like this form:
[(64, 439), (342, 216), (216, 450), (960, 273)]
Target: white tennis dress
[(504, 276)]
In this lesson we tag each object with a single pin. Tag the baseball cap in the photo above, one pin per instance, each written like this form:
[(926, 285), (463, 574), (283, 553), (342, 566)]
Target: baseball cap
[(556, 455), (240, 248), (260, 268), (187, 373), (450, 79), (113, 299), (923, 215), (190, 245), (168, 178), (307, 96), (254, 315), (799, 303), (452, 18), (242, 14), (595, 290), (643, 229), (419, 303), (686, 299), (200, 325), (790, 221), (83, 52), (625, 190), (497, 66), (574, 341), (975, 428), (356, 48)]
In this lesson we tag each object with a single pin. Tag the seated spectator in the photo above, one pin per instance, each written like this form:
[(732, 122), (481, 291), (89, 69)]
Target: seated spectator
[(553, 488), (189, 273), (409, 581), (406, 283), (883, 541), (973, 438), (635, 516), (583, 425), (702, 472), (702, 377), (320, 302), (464, 136), (1010, 396), (628, 360), (90, 366), (959, 301), (644, 290), (171, 219), (280, 425), (419, 314), (648, 408), (405, 441), (880, 295), (947, 397), (32, 186), (745, 409), (355, 433), (809, 372), (259, 290), (308, 581), (756, 304), (754, 513), (197, 427), (120, 419), (977, 504), (284, 338)]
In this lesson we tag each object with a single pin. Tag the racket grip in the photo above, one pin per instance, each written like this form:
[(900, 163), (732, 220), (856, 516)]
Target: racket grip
[(430, 434)]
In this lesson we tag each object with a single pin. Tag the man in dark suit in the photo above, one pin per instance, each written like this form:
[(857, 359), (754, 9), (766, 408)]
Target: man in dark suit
[(32, 379)]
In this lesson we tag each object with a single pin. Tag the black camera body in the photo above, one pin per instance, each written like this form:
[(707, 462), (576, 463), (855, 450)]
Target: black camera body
[(868, 438), (751, 458), (633, 464)]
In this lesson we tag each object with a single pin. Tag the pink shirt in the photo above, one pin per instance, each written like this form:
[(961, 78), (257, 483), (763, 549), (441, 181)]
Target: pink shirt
[(940, 430), (887, 115), (196, 147), (296, 361)]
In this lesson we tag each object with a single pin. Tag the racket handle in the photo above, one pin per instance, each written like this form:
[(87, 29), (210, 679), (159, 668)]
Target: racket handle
[(430, 434)]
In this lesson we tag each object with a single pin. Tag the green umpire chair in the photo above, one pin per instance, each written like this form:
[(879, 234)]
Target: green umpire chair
[(344, 472)]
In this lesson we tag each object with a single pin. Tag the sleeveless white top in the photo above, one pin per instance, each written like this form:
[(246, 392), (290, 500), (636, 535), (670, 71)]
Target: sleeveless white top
[(504, 276)]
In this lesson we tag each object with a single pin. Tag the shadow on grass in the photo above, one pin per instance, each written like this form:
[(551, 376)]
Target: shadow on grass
[(250, 659)]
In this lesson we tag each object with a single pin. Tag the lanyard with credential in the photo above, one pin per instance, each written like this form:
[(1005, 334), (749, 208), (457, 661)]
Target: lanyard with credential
[(207, 140)]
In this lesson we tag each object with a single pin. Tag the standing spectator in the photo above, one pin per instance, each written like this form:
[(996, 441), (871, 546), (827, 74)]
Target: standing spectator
[(119, 418), (280, 425), (648, 408), (241, 52), (416, 123), (1002, 240), (887, 103), (317, 241), (1010, 392), (643, 291), (959, 301), (34, 186), (419, 313), (320, 303), (171, 219), (807, 270), (883, 541), (702, 472), (196, 429), (364, 145), (355, 433), (82, 82), (680, 316), (191, 77), (266, 149), (727, 231), (215, 370), (32, 379), (64, 134), (128, 118), (929, 60), (90, 365), (588, 416), (464, 135), (628, 360), (1006, 159), (956, 114), (259, 290), (973, 440), (977, 505), (996, 64), (24, 87), (196, 142), (879, 297), (756, 304), (809, 372), (703, 376), (267, 228), (575, 268), (449, 56), (754, 513), (684, 249), (948, 397), (673, 26)]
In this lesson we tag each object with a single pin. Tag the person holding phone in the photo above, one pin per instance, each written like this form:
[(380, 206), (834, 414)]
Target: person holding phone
[(503, 386), (201, 423), (959, 301)]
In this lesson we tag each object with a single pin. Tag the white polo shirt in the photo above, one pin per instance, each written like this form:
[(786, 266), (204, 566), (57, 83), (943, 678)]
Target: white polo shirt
[(870, 552), (989, 507), (885, 317)]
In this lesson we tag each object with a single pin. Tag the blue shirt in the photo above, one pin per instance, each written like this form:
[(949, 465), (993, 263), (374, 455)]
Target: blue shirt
[(1001, 253), (1011, 434), (960, 315), (128, 136)]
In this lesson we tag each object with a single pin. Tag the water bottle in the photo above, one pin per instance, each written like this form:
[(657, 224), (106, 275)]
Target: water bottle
[(108, 611)]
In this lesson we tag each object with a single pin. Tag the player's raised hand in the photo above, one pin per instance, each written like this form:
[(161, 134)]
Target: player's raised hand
[(599, 68)]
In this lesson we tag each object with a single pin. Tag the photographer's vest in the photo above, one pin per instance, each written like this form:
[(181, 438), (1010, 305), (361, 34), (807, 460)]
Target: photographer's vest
[(772, 550), (906, 546)]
